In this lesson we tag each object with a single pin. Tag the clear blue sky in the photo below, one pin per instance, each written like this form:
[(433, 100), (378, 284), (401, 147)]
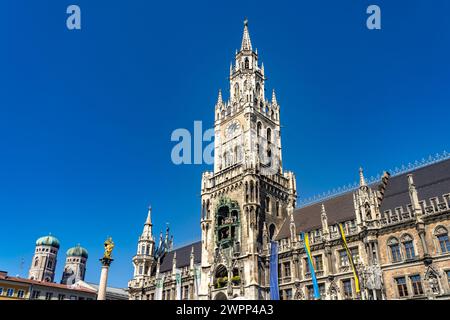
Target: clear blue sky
[(86, 116)]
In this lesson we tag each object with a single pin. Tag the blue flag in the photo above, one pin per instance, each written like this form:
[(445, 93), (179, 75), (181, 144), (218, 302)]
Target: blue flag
[(274, 290)]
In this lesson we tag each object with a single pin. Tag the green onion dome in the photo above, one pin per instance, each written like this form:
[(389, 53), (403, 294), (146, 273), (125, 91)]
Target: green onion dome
[(77, 251), (48, 241)]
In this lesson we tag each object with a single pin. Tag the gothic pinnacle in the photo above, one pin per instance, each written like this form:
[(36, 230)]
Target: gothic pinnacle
[(246, 43), (219, 98), (274, 97), (149, 216), (362, 181)]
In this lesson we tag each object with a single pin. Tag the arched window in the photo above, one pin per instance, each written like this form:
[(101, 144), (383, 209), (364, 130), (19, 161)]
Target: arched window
[(271, 231), (36, 262), (236, 91), (441, 234), (277, 208), (267, 204), (50, 264), (247, 64), (394, 247), (408, 246), (220, 276), (258, 89), (258, 128), (269, 135), (246, 192), (207, 209)]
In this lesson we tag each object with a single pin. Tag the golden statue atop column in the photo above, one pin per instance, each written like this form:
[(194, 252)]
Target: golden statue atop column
[(106, 262), (109, 246)]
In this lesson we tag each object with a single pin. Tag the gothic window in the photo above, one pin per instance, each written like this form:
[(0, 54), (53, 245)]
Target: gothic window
[(306, 266), (343, 260), (347, 288), (401, 287), (288, 294), (246, 192), (258, 89), (203, 210), (277, 208), (269, 135), (310, 290), (394, 247), (287, 269), (236, 91), (416, 283), (442, 237), (343, 257), (220, 277), (408, 246), (271, 231), (322, 289), (50, 264), (267, 204), (258, 128), (36, 262), (247, 65), (318, 263)]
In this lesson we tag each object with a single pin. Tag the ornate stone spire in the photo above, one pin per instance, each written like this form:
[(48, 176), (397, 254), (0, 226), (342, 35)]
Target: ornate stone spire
[(147, 233), (362, 181), (246, 43), (149, 216), (274, 97), (219, 97)]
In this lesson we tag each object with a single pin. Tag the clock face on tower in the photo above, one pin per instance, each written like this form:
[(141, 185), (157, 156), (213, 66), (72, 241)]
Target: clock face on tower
[(233, 129)]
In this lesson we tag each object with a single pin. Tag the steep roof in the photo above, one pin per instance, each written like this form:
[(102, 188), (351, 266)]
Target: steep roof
[(431, 181), (183, 256)]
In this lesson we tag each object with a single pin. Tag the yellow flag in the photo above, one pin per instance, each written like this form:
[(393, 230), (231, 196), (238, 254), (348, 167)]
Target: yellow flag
[(350, 258)]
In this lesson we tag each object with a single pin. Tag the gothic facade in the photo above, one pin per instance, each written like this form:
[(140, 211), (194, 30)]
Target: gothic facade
[(397, 229)]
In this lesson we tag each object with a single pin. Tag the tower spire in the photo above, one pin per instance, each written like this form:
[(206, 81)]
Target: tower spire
[(246, 43), (149, 216), (362, 181), (219, 97), (274, 97)]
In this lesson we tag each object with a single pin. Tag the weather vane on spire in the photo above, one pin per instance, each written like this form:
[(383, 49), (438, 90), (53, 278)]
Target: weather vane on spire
[(245, 21)]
